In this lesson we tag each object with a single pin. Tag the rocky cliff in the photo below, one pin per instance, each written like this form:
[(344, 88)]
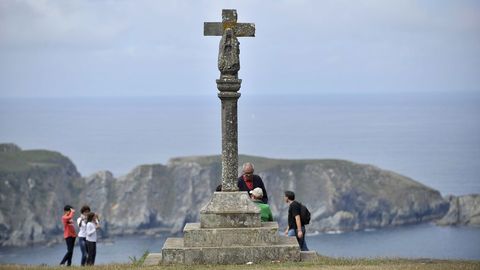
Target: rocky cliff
[(34, 187), (342, 195), (463, 210)]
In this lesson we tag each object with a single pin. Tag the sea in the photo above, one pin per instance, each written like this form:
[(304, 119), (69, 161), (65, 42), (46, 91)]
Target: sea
[(433, 138)]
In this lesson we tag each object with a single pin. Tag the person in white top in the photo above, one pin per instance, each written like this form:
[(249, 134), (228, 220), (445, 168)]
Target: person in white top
[(91, 237), (82, 232)]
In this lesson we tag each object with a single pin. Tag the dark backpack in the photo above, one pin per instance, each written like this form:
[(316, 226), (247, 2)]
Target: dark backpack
[(304, 214)]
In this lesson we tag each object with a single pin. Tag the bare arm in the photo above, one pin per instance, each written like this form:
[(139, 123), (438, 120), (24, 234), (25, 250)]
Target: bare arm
[(299, 226)]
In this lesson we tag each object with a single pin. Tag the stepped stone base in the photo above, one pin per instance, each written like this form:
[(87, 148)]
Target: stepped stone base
[(174, 252), (229, 232), (195, 236)]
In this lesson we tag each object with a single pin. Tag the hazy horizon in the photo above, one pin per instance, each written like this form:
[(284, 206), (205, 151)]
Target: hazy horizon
[(431, 138)]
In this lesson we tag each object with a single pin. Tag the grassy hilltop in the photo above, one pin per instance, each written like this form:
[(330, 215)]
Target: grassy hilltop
[(323, 263)]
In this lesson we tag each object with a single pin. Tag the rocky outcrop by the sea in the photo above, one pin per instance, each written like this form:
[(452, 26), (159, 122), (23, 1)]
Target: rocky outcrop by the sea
[(463, 210), (341, 195), (34, 187)]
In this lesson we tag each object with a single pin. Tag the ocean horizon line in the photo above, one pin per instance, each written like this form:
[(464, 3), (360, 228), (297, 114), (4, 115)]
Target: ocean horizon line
[(264, 94)]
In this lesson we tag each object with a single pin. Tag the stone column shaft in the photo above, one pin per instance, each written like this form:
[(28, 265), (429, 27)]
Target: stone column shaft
[(229, 96)]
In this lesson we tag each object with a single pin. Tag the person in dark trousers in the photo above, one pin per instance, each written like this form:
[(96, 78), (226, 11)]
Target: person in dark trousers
[(82, 232), (249, 181), (295, 226), (68, 233), (91, 238)]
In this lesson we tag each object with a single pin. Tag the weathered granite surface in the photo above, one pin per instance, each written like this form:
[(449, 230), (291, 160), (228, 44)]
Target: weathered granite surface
[(229, 96), (228, 54), (230, 210), (195, 236), (174, 252), (230, 232)]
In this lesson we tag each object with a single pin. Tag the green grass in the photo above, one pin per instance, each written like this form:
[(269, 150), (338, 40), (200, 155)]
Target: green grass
[(24, 160), (322, 263), (139, 261), (262, 163)]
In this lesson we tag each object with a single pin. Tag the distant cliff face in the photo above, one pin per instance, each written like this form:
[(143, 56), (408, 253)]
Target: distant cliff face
[(341, 195), (464, 210), (34, 187), (151, 196), (344, 196)]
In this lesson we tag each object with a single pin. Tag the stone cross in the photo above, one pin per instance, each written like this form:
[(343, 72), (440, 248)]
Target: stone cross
[(229, 20), (230, 229), (228, 86)]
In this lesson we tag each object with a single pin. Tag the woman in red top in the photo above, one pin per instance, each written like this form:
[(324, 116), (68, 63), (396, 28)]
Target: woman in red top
[(68, 233)]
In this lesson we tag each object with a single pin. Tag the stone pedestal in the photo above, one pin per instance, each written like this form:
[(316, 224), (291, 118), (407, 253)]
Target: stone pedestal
[(229, 232), (230, 210)]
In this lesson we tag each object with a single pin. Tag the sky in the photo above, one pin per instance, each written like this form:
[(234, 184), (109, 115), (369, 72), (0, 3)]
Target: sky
[(81, 48)]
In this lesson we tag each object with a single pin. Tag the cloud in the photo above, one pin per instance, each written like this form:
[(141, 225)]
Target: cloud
[(147, 47), (37, 25)]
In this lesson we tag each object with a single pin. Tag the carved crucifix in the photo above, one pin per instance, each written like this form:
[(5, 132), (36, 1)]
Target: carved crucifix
[(228, 86), (229, 49)]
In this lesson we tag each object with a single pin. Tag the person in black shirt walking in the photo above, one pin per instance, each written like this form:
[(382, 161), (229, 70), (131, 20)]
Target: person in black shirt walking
[(295, 226)]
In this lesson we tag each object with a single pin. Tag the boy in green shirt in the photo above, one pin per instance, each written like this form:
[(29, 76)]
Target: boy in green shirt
[(265, 213)]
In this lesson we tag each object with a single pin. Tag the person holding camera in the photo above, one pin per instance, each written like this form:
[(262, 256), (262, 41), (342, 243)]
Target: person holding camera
[(91, 237), (68, 233)]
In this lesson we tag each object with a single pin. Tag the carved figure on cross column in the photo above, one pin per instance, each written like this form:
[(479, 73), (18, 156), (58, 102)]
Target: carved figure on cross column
[(228, 55)]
